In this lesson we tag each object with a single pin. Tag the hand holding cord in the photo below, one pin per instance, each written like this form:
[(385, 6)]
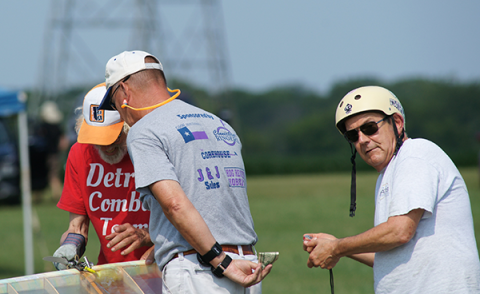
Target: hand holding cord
[(332, 284)]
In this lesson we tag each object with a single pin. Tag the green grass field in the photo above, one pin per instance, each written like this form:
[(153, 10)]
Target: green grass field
[(283, 208)]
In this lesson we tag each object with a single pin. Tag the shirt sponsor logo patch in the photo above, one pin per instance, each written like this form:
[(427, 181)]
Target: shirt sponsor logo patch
[(217, 154), (190, 134), (195, 115), (236, 177)]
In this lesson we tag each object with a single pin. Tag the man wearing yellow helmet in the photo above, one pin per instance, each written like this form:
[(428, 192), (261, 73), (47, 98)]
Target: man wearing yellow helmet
[(423, 239)]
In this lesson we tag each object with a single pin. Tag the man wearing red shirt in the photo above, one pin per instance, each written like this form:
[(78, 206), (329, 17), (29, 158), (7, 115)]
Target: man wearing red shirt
[(99, 187)]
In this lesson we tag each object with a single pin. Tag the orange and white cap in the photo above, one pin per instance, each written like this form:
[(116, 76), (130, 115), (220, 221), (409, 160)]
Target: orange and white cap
[(99, 126)]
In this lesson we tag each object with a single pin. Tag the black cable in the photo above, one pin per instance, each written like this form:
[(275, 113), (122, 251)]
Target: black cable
[(331, 282), (353, 186)]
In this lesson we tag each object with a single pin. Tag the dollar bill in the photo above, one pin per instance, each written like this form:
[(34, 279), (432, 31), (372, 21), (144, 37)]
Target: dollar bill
[(266, 258)]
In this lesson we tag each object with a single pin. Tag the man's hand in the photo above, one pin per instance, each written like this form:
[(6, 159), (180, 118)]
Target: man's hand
[(73, 245), (246, 273), (128, 235), (66, 251), (321, 248)]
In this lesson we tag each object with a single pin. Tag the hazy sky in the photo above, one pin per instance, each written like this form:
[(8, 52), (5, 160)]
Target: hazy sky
[(309, 42)]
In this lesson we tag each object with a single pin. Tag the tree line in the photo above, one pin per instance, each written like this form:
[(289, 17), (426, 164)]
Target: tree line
[(291, 129)]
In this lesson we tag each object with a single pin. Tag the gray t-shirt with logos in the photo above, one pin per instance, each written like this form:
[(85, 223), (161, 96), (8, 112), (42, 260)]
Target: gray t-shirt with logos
[(181, 142)]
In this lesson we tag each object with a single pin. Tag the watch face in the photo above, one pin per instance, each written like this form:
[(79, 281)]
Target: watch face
[(217, 249)]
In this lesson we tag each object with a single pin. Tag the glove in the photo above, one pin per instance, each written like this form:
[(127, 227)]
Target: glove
[(73, 246)]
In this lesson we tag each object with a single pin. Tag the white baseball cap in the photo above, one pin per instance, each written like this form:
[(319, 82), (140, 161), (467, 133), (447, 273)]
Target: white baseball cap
[(123, 65), (99, 126)]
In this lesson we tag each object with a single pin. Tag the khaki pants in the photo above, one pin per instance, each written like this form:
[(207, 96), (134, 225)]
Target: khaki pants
[(185, 274)]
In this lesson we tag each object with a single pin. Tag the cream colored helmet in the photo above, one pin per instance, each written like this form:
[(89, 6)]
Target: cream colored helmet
[(369, 98)]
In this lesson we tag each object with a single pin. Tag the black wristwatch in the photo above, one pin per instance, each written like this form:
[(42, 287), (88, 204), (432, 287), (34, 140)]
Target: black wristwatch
[(218, 271), (210, 255)]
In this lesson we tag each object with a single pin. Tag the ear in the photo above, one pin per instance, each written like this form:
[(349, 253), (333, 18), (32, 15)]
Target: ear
[(399, 122), (127, 93)]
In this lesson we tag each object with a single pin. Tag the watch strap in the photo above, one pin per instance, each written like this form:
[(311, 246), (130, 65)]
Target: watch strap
[(218, 271), (210, 255)]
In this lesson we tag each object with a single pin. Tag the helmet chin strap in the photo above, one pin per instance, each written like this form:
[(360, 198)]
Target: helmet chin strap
[(156, 105), (398, 137), (353, 187)]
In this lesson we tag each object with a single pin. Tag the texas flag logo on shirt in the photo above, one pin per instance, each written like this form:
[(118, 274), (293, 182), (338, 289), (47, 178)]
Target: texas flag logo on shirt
[(189, 135)]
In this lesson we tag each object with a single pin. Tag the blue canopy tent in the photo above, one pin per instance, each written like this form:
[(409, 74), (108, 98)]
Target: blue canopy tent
[(13, 103)]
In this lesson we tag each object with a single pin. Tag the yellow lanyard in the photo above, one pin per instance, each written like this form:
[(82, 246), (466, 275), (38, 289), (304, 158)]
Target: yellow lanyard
[(156, 105)]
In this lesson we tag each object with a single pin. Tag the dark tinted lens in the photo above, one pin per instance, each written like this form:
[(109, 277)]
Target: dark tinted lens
[(352, 136), (369, 128)]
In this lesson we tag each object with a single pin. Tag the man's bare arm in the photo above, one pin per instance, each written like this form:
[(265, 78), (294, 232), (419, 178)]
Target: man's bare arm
[(187, 220), (78, 224), (326, 252)]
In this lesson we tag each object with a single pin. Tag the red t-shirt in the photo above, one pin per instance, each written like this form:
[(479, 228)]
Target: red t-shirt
[(106, 194)]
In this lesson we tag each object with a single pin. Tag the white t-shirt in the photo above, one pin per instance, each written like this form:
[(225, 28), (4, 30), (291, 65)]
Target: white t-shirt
[(442, 256)]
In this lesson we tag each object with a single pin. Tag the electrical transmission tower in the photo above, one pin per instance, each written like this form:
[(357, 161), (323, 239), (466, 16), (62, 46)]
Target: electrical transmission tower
[(186, 35)]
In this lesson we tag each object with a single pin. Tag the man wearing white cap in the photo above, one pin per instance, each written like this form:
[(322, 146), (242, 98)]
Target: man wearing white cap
[(190, 172), (99, 188)]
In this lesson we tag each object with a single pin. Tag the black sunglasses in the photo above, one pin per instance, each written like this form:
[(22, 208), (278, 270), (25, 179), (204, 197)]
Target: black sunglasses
[(368, 129), (112, 105)]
